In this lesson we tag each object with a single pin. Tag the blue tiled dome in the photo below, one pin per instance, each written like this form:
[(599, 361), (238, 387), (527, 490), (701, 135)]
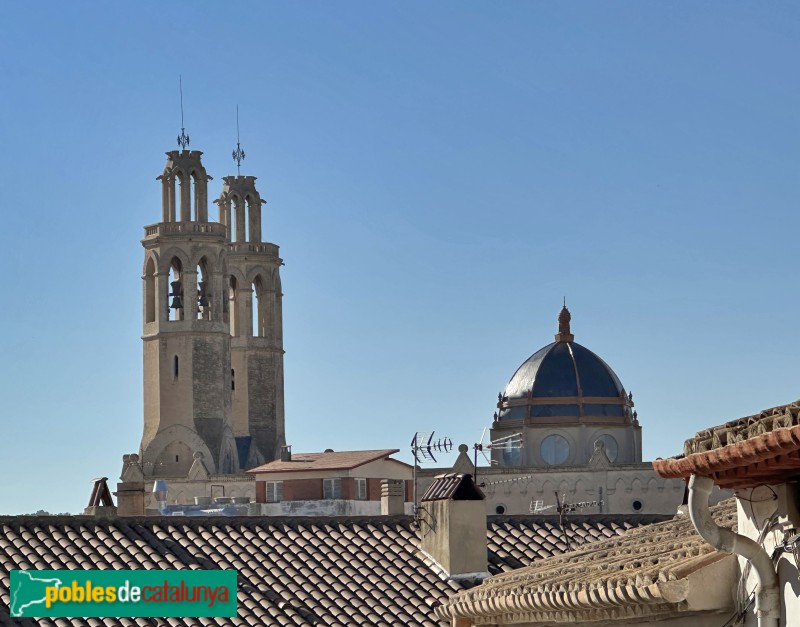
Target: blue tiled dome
[(564, 381)]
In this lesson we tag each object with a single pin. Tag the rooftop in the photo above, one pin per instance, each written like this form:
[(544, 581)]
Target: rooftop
[(760, 449), (646, 572), (328, 460), (292, 571)]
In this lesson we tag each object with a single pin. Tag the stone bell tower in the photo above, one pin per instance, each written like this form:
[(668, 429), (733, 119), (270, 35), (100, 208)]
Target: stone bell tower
[(187, 338), (256, 323)]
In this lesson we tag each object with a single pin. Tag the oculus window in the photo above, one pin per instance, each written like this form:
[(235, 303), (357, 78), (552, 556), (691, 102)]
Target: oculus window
[(554, 450)]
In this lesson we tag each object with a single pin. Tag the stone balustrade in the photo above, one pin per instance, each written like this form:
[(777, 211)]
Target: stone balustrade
[(185, 228)]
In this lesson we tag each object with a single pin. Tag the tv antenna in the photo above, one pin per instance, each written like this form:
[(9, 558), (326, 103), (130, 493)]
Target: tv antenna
[(564, 508), (183, 138), (423, 447), (512, 442), (238, 154), (538, 507)]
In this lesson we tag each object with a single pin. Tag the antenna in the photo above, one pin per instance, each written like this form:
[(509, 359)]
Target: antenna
[(511, 442), (423, 447), (183, 138), (563, 507), (238, 154), (537, 507)]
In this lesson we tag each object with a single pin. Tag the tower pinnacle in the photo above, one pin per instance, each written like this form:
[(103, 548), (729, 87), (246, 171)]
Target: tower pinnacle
[(183, 138), (564, 317), (238, 154)]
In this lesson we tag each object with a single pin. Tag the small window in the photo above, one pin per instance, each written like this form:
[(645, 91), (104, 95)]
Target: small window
[(331, 488), (361, 489), (637, 505), (274, 491), (500, 509), (233, 379), (175, 367), (176, 459)]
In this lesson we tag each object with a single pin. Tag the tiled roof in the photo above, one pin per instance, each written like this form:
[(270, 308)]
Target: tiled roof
[(292, 571), (329, 460), (755, 450), (519, 541), (642, 573)]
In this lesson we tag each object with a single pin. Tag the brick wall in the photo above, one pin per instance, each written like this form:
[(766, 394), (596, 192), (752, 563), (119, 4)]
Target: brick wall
[(302, 489), (348, 488)]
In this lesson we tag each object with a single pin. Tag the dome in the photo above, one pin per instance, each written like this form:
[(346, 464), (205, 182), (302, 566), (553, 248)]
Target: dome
[(564, 382)]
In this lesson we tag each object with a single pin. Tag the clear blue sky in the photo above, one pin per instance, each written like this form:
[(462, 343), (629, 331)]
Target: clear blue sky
[(439, 176)]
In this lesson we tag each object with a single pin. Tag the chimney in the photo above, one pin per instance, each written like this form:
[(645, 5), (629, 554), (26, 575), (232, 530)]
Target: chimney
[(286, 453), (453, 525), (392, 497), (101, 505), (130, 491)]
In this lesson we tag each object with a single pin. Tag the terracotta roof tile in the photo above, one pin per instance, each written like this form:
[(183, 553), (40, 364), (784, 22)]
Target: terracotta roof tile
[(754, 450), (620, 575), (292, 571), (332, 460)]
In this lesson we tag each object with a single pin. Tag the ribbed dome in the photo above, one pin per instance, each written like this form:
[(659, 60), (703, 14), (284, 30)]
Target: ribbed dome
[(565, 381)]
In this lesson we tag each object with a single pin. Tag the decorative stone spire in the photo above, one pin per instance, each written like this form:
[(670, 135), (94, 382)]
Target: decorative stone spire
[(564, 318)]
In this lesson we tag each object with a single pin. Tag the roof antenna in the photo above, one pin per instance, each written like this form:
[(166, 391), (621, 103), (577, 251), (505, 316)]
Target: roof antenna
[(238, 154), (183, 138)]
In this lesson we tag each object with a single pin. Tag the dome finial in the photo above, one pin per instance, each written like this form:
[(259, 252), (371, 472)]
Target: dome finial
[(564, 334)]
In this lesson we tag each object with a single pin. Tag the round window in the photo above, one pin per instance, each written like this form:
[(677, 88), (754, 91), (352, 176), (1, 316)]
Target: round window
[(611, 446), (637, 505), (554, 450), (500, 509)]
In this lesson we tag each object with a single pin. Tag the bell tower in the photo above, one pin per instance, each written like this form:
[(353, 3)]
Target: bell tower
[(256, 323), (186, 333)]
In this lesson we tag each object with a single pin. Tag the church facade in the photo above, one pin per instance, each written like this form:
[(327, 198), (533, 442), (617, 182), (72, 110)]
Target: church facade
[(212, 333)]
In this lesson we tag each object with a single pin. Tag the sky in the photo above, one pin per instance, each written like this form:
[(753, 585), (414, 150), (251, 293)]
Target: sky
[(439, 176)]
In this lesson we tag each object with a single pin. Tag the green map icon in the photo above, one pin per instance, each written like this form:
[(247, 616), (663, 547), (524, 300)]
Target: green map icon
[(28, 590)]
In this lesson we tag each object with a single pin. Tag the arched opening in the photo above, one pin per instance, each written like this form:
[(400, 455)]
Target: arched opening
[(168, 197), (150, 291), (196, 198), (237, 220), (186, 196), (175, 290), (248, 203), (253, 219), (203, 294), (259, 326), (233, 306)]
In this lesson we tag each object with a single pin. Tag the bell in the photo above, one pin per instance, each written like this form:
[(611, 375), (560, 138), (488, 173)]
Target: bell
[(177, 289), (202, 298), (177, 303)]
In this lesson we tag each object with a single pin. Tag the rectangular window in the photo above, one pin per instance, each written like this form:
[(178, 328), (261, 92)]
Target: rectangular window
[(331, 488), (361, 489), (274, 491)]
